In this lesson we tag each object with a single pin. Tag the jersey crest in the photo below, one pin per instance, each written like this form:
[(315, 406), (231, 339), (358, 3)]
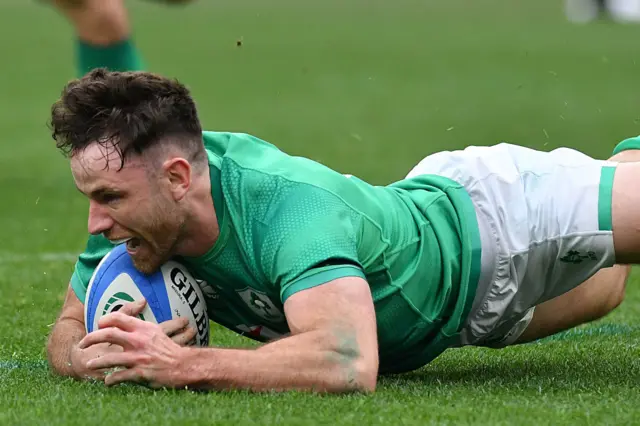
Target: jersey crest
[(261, 305)]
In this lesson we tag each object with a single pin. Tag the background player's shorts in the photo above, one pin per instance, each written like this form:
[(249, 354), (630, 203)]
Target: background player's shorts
[(545, 226)]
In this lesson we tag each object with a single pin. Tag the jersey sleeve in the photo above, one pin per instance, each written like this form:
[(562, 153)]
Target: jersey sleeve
[(311, 240), (97, 248)]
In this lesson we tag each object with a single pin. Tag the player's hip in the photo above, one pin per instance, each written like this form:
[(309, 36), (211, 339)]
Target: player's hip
[(545, 226)]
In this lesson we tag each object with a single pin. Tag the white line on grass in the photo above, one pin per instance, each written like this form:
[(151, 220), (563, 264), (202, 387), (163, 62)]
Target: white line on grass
[(14, 364), (6, 258)]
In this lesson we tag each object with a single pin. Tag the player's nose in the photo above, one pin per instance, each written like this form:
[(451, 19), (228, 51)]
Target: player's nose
[(99, 219)]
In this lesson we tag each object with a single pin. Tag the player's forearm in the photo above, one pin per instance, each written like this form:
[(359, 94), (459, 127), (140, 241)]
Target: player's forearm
[(66, 333), (309, 361)]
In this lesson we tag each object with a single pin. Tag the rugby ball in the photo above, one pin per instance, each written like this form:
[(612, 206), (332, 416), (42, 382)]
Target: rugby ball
[(171, 293)]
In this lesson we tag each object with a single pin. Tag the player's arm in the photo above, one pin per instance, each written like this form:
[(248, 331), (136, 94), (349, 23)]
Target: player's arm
[(67, 332), (328, 304), (65, 358), (332, 348), (64, 354)]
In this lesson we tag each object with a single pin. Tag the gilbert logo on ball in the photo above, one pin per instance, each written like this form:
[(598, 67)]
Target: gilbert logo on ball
[(171, 293)]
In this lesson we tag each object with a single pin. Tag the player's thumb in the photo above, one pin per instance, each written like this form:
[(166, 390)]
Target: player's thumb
[(134, 308)]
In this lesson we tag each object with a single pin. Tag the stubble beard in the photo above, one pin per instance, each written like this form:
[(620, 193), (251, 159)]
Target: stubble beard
[(163, 234)]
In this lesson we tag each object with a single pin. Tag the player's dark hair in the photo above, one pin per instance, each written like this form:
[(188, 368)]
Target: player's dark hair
[(128, 112)]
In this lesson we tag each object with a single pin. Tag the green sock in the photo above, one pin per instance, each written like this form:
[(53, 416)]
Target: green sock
[(627, 144), (120, 56)]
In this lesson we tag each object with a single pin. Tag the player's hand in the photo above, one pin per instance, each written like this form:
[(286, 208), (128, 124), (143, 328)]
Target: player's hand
[(178, 329), (149, 356), (80, 357)]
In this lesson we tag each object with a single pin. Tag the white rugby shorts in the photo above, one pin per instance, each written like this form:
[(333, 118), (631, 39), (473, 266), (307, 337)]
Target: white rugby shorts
[(545, 227)]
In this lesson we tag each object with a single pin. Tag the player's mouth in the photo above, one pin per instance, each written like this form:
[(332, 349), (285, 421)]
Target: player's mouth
[(119, 241), (133, 244)]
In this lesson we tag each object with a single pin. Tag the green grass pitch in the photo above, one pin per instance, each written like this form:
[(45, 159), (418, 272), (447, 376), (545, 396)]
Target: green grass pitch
[(368, 87)]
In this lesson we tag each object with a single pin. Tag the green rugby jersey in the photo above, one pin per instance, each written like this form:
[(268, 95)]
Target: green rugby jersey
[(288, 224)]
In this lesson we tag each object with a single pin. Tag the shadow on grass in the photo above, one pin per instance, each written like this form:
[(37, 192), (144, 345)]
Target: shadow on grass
[(571, 364)]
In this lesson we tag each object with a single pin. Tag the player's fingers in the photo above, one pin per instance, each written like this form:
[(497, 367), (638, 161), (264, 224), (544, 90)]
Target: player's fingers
[(113, 360), (184, 337), (121, 321), (111, 335), (133, 308), (174, 326)]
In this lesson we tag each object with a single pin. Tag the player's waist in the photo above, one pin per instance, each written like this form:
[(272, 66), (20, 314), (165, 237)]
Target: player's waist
[(463, 260)]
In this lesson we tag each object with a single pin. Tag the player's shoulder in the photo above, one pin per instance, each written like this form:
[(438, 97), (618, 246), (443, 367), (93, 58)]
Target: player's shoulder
[(258, 179), (247, 160)]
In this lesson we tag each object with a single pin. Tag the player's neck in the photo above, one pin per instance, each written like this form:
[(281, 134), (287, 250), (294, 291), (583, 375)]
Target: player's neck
[(201, 229)]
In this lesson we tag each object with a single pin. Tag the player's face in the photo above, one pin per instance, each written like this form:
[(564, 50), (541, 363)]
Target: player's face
[(128, 204)]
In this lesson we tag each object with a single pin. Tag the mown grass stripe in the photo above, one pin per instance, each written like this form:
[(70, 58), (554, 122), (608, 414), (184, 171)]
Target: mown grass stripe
[(604, 330)]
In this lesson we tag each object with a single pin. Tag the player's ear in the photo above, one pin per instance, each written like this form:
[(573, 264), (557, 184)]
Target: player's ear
[(178, 173)]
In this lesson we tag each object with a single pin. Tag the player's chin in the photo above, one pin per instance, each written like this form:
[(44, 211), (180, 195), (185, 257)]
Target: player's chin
[(147, 266), (146, 260)]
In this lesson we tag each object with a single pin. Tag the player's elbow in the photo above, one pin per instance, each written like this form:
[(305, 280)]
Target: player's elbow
[(366, 376), (65, 333), (358, 370), (359, 376), (57, 366)]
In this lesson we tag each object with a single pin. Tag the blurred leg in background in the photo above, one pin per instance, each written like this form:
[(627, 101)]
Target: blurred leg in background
[(103, 35), (582, 11)]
